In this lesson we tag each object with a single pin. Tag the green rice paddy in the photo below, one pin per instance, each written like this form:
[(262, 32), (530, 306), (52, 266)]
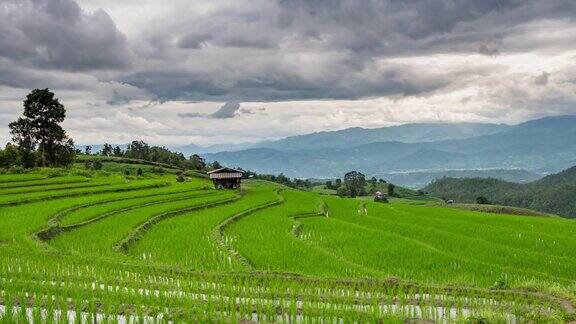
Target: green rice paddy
[(108, 248)]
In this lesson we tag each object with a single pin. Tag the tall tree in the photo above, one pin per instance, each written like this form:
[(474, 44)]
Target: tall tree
[(196, 162), (118, 151), (216, 165), (22, 136), (355, 182), (138, 150), (40, 125), (106, 149)]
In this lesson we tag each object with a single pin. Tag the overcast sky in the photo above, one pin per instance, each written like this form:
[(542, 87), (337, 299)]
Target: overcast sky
[(206, 72)]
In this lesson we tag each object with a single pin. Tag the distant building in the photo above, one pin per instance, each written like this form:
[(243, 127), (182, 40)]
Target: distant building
[(226, 178), (380, 197)]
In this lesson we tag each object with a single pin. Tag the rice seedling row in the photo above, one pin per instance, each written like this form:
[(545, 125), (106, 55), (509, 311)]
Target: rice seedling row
[(414, 247), (48, 188), (193, 232), (41, 182), (98, 238), (157, 250), (20, 178)]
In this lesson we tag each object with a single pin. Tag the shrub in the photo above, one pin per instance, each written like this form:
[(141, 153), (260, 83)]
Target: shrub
[(381, 199), (97, 165), (343, 191), (84, 173), (16, 170), (126, 172), (391, 188), (55, 173), (501, 283), (139, 172), (481, 200), (158, 170)]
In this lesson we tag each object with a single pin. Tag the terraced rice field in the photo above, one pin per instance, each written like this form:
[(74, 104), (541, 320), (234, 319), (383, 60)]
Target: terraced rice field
[(108, 249)]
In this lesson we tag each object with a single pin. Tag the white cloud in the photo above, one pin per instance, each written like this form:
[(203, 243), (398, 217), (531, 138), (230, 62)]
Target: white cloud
[(294, 66)]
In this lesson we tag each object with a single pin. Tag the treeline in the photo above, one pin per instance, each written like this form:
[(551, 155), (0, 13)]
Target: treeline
[(38, 139), (281, 179), (355, 184), (142, 151), (552, 194)]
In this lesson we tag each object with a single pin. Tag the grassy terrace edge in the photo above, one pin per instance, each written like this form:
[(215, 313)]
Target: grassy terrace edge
[(530, 302)]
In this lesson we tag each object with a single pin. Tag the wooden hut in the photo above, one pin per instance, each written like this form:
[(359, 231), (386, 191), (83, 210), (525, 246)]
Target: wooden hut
[(226, 178)]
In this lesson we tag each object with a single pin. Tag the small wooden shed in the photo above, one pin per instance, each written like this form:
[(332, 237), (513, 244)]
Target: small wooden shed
[(226, 178)]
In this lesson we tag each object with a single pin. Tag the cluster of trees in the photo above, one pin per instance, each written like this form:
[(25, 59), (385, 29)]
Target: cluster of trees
[(355, 184), (281, 179), (39, 140), (107, 150), (142, 151), (37, 137)]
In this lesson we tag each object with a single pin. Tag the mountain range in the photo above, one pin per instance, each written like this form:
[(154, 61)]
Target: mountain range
[(539, 146), (408, 133)]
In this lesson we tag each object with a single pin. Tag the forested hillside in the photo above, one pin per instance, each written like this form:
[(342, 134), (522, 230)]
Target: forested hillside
[(552, 194)]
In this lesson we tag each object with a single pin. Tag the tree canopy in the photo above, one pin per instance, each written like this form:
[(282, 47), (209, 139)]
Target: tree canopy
[(38, 133), (356, 183)]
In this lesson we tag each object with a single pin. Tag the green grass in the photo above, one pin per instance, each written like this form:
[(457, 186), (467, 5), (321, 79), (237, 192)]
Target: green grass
[(102, 185), (193, 232), (99, 238), (44, 181), (13, 178), (168, 194), (321, 189), (436, 246), (102, 243), (130, 167)]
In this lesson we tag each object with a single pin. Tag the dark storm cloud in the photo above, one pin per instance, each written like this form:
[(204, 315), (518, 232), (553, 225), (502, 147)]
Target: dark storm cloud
[(57, 34), (329, 49), (542, 79), (262, 50), (277, 84), (485, 50), (229, 110), (191, 115)]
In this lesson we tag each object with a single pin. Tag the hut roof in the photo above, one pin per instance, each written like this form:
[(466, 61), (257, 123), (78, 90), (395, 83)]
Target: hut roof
[(225, 173), (224, 170)]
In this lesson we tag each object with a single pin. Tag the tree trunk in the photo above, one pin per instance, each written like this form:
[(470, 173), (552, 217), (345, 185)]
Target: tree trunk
[(43, 144)]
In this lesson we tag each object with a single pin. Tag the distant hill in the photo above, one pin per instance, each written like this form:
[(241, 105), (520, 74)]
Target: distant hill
[(552, 194), (540, 146), (190, 149), (408, 133), (420, 179)]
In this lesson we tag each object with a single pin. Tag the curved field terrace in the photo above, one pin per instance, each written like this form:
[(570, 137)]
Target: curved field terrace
[(109, 248)]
